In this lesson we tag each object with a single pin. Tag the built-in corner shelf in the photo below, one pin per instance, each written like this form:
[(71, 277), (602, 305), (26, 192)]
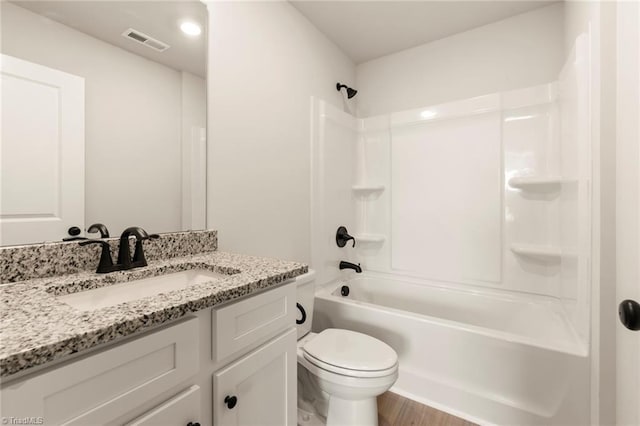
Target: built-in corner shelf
[(367, 189), (370, 238), (538, 183), (542, 251)]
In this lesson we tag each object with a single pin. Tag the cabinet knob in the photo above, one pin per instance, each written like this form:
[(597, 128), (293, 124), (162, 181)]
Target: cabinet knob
[(193, 424), (231, 401)]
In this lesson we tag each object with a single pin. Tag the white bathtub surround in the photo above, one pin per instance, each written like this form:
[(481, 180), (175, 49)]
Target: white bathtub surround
[(486, 356), (446, 195), (333, 178), (487, 196), (453, 216), (494, 201)]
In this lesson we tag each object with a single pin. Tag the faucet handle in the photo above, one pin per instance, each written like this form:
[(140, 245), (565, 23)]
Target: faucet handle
[(138, 254), (342, 236), (106, 263)]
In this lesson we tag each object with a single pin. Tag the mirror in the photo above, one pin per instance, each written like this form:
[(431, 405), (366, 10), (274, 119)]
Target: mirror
[(103, 117)]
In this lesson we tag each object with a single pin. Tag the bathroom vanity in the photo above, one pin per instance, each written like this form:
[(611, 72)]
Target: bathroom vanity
[(220, 351)]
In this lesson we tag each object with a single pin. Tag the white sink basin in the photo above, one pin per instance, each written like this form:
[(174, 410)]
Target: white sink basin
[(115, 294)]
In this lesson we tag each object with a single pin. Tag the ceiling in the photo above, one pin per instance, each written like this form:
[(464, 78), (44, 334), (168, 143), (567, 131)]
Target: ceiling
[(107, 20), (366, 30)]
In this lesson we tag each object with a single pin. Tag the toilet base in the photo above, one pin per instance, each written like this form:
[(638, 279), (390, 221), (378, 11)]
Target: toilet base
[(308, 418), (349, 412)]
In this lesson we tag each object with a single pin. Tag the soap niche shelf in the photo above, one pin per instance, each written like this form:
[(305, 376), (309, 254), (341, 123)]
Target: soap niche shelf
[(550, 253), (367, 189), (539, 183)]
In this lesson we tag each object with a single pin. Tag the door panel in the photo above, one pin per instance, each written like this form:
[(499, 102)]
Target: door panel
[(628, 208), (41, 153)]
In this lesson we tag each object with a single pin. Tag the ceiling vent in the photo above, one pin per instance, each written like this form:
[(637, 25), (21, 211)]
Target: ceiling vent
[(148, 41)]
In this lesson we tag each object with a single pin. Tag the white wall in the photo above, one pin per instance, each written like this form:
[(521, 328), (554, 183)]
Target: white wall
[(133, 121), (522, 51), (265, 62)]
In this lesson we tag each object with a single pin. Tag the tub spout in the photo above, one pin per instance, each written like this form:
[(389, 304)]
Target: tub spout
[(349, 265)]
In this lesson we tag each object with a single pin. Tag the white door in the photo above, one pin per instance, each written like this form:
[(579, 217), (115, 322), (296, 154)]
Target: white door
[(628, 210), (260, 388), (41, 152)]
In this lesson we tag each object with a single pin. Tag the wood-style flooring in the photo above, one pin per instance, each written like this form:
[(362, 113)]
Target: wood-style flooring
[(394, 410)]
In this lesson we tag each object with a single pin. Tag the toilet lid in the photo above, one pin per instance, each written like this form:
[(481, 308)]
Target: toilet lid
[(351, 350)]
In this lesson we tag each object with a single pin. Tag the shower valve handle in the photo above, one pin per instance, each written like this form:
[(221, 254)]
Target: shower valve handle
[(342, 236)]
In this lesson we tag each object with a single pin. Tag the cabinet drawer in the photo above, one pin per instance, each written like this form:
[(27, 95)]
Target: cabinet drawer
[(180, 410), (252, 320), (102, 387)]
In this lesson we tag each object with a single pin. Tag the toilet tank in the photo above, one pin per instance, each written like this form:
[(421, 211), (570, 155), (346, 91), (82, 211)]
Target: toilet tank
[(305, 296)]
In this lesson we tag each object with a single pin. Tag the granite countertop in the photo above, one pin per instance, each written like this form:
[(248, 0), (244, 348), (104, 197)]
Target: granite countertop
[(37, 328)]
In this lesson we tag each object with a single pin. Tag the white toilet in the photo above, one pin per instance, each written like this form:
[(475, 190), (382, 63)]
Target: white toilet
[(340, 372)]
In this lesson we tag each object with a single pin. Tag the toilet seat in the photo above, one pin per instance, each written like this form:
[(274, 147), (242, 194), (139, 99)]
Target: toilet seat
[(347, 372), (351, 354)]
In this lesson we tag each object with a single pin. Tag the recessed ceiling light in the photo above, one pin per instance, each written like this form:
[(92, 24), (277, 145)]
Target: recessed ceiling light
[(190, 28), (428, 114)]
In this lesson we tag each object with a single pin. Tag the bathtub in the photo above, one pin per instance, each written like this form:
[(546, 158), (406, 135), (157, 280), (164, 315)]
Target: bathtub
[(485, 356)]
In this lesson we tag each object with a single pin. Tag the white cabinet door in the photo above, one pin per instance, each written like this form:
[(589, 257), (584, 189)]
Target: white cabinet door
[(260, 388), (181, 410), (41, 152), (102, 387)]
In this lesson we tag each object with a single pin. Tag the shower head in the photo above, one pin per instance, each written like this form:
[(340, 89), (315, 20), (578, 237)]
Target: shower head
[(350, 92)]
